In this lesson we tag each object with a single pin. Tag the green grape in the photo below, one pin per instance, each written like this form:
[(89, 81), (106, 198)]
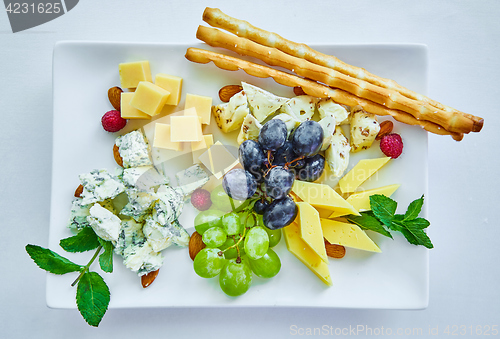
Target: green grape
[(208, 263), (267, 266), (256, 242), (214, 237), (274, 236), (231, 224), (207, 219), (220, 199), (233, 252), (235, 279)]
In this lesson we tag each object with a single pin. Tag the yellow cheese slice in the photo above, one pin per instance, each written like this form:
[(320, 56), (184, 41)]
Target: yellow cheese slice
[(304, 253), (185, 128), (162, 138), (172, 84), (358, 174), (322, 197), (361, 200), (348, 235), (310, 229), (198, 149), (202, 104)]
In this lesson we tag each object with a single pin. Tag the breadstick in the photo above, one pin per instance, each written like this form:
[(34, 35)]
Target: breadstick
[(216, 18), (310, 87), (451, 121)]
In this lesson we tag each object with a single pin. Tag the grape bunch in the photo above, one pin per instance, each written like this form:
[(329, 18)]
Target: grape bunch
[(272, 164), (237, 246)]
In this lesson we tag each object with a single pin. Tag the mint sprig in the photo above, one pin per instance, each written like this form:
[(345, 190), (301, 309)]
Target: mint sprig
[(51, 261), (84, 240), (382, 219), (92, 297)]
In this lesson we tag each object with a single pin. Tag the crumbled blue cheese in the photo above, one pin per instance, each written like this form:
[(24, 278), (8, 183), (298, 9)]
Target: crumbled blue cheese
[(78, 215), (139, 204), (181, 236), (130, 235), (142, 258), (160, 237), (99, 185), (144, 178), (134, 149), (104, 223), (169, 206), (191, 178)]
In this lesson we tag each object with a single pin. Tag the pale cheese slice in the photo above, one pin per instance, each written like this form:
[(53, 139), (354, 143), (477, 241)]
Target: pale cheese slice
[(361, 200), (364, 169), (348, 235), (310, 229)]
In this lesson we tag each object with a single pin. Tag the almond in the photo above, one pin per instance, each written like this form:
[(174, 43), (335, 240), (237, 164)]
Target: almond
[(79, 191), (298, 91), (334, 251), (227, 92), (148, 279), (117, 156), (385, 128), (195, 245), (114, 95)]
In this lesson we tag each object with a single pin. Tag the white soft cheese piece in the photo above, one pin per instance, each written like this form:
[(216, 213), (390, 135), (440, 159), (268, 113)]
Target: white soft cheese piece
[(250, 129), (328, 107), (134, 149), (191, 178), (99, 185), (262, 103), (364, 129), (229, 116), (328, 126), (290, 121), (104, 223), (337, 155), (301, 107)]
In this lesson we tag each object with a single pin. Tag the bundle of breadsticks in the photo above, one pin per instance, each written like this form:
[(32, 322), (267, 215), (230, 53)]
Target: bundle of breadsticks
[(324, 76)]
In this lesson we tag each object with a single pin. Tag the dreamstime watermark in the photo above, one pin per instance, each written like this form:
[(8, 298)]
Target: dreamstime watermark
[(365, 330), (25, 14)]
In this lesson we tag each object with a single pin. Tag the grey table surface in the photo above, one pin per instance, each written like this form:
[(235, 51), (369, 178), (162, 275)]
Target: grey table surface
[(463, 40)]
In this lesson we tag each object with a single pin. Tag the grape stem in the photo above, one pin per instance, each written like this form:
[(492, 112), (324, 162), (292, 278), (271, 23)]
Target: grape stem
[(291, 162)]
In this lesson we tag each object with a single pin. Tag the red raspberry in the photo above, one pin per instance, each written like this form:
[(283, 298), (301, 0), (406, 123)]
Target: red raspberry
[(391, 145), (112, 121), (201, 199)]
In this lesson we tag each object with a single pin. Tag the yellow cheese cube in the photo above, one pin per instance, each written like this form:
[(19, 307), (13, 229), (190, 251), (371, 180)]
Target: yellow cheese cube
[(304, 253), (348, 235), (200, 147), (218, 160), (185, 128), (310, 229), (322, 196), (361, 200), (203, 106), (131, 73), (358, 174), (162, 138), (172, 84), (149, 98), (129, 112)]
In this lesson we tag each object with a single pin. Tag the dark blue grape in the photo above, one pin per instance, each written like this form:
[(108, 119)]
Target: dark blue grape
[(284, 155), (307, 139), (273, 135), (279, 182), (252, 157), (280, 213), (260, 206), (239, 184), (312, 169)]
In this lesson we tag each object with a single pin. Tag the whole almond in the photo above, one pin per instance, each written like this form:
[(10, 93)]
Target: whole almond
[(79, 191), (227, 92), (298, 91), (195, 244), (385, 128), (334, 251), (114, 96), (148, 279), (117, 156)]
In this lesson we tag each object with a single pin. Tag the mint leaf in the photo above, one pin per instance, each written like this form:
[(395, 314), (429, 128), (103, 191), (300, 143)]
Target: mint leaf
[(50, 261), (414, 209), (420, 223), (383, 207), (106, 258), (413, 230), (92, 298), (367, 222), (85, 240), (419, 234)]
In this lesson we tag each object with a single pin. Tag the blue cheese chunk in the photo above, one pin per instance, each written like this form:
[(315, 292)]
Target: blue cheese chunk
[(78, 215), (144, 178), (181, 236), (160, 237), (142, 258), (191, 178), (130, 235), (134, 149), (169, 206), (99, 185), (139, 204), (104, 223)]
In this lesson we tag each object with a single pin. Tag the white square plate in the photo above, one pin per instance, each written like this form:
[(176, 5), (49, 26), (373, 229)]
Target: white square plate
[(397, 278)]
